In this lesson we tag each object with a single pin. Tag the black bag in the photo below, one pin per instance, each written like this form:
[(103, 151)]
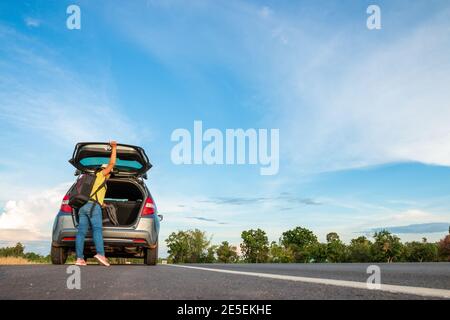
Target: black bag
[(110, 214), (81, 193)]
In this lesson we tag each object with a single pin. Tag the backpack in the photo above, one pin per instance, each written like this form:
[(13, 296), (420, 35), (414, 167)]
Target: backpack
[(81, 193)]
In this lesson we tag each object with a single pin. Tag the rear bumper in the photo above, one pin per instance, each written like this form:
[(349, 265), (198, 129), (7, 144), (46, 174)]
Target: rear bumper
[(112, 238), (145, 234)]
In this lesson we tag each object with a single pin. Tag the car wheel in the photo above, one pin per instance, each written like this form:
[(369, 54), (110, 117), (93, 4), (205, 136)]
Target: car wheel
[(58, 255), (151, 256)]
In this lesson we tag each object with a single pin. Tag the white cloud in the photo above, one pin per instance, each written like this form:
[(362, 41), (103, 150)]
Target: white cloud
[(31, 218), (399, 218), (12, 236), (413, 216)]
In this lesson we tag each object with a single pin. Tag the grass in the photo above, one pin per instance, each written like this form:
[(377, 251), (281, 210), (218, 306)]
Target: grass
[(14, 261), (22, 261)]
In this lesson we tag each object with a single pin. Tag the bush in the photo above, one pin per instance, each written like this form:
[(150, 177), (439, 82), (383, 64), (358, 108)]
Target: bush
[(420, 251), (360, 250), (189, 247), (316, 252), (444, 249), (337, 251), (387, 247), (280, 254), (226, 253), (298, 240)]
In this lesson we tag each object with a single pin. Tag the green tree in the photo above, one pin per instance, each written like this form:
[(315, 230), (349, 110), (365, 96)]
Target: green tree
[(298, 239), (198, 246), (255, 246), (316, 252), (332, 236), (336, 249), (444, 248), (360, 250), (280, 254), (210, 256), (420, 251), (16, 251), (189, 246), (178, 246), (387, 247), (226, 253)]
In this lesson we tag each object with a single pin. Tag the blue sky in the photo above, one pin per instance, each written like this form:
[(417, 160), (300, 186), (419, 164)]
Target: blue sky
[(363, 115)]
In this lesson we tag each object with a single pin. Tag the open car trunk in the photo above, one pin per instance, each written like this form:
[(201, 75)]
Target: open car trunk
[(127, 197)]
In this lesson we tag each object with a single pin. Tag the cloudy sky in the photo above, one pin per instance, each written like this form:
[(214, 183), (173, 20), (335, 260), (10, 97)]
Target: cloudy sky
[(363, 114)]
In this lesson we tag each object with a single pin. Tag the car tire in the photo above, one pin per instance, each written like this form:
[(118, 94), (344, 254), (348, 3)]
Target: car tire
[(58, 255), (151, 256)]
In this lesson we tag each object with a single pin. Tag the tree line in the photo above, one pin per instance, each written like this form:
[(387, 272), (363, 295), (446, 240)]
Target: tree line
[(301, 245), (296, 245), (18, 252)]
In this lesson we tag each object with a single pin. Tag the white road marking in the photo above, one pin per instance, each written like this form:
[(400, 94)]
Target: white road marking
[(420, 291)]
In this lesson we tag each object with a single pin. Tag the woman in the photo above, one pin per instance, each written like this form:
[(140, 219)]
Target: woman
[(92, 212)]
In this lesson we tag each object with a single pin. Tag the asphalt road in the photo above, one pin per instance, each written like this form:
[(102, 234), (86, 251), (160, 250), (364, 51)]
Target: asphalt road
[(248, 281)]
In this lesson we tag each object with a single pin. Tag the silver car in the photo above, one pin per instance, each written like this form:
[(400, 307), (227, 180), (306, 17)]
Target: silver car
[(136, 235)]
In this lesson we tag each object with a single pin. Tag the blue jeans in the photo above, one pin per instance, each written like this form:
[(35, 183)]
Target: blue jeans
[(83, 226)]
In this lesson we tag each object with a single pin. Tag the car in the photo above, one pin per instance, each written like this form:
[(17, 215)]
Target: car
[(136, 235)]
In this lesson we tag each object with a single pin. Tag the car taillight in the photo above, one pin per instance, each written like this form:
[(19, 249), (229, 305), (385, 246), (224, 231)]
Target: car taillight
[(65, 205), (149, 207)]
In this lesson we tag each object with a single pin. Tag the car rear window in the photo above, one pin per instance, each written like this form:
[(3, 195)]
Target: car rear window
[(95, 162)]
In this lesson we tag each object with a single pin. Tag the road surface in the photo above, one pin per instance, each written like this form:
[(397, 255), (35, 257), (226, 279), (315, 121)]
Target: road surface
[(219, 281)]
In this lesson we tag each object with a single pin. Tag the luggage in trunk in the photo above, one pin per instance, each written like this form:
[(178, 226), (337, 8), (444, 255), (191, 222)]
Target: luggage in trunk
[(126, 212)]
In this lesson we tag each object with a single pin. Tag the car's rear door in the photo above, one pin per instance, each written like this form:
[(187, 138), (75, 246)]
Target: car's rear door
[(131, 160)]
